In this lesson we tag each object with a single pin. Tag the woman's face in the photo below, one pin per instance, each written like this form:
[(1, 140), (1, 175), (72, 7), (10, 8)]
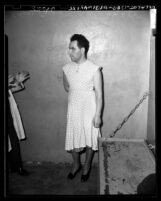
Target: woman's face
[(75, 52)]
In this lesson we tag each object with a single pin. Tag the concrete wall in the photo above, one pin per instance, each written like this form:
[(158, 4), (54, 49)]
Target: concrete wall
[(151, 106), (38, 43)]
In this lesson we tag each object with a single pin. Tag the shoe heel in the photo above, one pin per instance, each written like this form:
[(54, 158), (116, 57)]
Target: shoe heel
[(71, 175), (85, 177)]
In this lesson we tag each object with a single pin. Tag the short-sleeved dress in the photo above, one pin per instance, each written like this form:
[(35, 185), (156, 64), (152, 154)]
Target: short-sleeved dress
[(80, 132)]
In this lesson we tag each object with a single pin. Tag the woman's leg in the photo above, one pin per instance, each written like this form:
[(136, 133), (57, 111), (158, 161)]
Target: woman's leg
[(88, 160), (76, 165), (76, 161)]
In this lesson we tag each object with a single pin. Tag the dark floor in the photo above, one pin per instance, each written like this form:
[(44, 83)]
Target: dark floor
[(51, 179)]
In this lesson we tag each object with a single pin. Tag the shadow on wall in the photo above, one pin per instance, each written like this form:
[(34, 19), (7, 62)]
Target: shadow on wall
[(103, 99), (147, 186)]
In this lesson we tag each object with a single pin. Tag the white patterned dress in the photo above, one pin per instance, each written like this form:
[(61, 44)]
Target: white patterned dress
[(80, 132)]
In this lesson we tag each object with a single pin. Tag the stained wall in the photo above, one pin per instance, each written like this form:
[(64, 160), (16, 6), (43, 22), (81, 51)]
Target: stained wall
[(38, 43)]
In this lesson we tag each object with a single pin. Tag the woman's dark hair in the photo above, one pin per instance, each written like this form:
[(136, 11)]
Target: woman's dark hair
[(81, 42)]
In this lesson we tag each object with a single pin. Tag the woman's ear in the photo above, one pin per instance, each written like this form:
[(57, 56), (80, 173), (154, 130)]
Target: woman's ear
[(83, 50)]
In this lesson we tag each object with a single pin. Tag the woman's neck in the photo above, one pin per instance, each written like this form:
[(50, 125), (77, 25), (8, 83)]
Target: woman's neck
[(81, 61)]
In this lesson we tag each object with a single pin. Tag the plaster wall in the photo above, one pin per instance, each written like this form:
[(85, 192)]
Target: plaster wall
[(38, 43)]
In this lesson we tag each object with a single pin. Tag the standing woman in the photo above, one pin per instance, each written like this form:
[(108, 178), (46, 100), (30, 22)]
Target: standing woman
[(83, 81)]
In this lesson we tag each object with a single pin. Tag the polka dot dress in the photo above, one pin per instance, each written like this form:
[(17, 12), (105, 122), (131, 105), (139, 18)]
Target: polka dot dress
[(80, 131)]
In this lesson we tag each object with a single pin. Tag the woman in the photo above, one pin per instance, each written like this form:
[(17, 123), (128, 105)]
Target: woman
[(83, 81)]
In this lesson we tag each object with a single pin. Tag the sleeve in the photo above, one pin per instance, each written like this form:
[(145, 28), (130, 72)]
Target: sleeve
[(64, 69), (96, 68)]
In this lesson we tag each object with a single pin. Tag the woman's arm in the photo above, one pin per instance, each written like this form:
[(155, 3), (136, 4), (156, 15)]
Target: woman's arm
[(65, 83), (99, 101)]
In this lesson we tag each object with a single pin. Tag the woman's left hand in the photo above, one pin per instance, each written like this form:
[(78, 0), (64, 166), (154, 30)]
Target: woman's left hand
[(97, 121)]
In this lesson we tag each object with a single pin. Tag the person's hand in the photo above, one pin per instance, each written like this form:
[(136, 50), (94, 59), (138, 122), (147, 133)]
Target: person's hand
[(16, 86), (11, 79), (22, 76), (97, 121)]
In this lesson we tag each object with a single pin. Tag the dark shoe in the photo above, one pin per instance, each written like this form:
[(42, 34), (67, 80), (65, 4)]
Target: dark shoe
[(71, 175), (85, 177), (22, 172)]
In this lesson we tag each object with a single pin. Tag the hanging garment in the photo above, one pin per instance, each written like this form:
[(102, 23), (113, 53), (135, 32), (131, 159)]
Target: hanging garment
[(16, 119)]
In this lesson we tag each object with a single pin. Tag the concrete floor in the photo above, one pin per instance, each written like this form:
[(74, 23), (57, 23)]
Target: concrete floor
[(51, 179), (123, 168)]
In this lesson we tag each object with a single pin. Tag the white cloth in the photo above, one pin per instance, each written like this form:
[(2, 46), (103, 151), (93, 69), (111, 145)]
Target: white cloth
[(16, 119), (80, 131), (9, 144)]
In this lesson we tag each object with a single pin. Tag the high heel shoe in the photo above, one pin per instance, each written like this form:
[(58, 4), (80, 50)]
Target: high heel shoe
[(71, 175), (85, 177)]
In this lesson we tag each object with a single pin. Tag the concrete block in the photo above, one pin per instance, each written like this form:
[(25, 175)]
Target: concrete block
[(126, 166)]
